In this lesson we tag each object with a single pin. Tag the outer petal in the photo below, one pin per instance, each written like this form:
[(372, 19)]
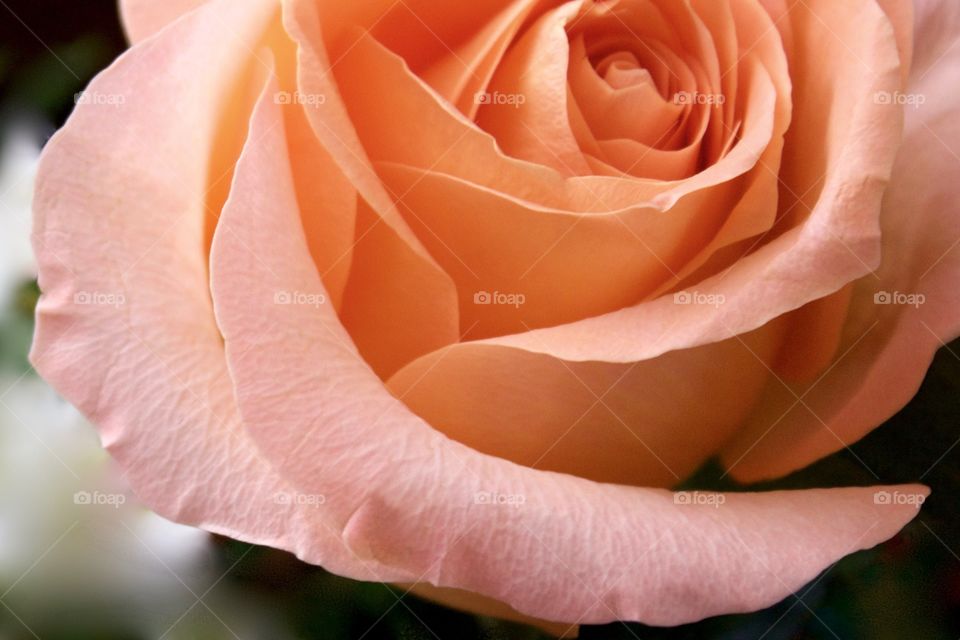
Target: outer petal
[(125, 327), (885, 349), (143, 18), (405, 497)]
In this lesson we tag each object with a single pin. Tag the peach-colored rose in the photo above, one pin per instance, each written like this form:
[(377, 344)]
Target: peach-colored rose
[(452, 293)]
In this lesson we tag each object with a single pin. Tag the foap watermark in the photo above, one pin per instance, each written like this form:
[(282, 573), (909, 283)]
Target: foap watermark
[(695, 97), (298, 97), (498, 98), (898, 498), (299, 298), (702, 498), (99, 498), (300, 499), (697, 298), (499, 298), (899, 298), (99, 298), (898, 98), (99, 99), (496, 498)]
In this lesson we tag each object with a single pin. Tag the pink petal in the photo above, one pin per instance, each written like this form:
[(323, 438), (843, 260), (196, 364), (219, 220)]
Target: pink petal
[(143, 18), (120, 217)]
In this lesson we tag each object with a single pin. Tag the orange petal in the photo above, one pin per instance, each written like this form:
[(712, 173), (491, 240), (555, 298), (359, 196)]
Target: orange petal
[(531, 122), (396, 306), (649, 423), (838, 157)]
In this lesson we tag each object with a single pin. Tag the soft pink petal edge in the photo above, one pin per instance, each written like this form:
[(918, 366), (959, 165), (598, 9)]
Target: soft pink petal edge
[(143, 18)]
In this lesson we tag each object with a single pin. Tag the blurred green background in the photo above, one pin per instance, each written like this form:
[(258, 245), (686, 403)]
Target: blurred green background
[(76, 571)]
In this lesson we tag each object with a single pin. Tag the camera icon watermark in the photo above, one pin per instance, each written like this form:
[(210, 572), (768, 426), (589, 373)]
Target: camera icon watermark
[(914, 100), (495, 498), (697, 98), (498, 98), (302, 499), (699, 498), (899, 298), (499, 298), (297, 97), (898, 498), (99, 99), (299, 298), (697, 298), (99, 298), (99, 498)]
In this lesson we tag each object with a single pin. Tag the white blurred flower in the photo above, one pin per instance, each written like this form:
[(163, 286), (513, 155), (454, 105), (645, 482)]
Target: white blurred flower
[(72, 536), (18, 167)]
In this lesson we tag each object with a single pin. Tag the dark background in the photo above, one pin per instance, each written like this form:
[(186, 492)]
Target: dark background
[(906, 588)]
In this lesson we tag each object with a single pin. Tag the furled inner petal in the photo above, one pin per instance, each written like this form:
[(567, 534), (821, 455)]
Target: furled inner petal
[(414, 310), (525, 105), (514, 247), (838, 156)]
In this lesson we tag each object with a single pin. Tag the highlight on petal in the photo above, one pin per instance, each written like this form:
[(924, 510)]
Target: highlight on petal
[(143, 18)]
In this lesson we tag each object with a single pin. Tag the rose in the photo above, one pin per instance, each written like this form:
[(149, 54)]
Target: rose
[(786, 206), (398, 196)]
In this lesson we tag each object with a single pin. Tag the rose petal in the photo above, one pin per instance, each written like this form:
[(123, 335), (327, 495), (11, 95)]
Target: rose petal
[(143, 18), (535, 126), (885, 350), (446, 142), (124, 224), (327, 200), (459, 76), (397, 306), (392, 319), (410, 499), (611, 112), (649, 423), (541, 256)]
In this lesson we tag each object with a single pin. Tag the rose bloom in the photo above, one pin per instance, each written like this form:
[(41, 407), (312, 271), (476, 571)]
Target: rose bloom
[(451, 294)]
